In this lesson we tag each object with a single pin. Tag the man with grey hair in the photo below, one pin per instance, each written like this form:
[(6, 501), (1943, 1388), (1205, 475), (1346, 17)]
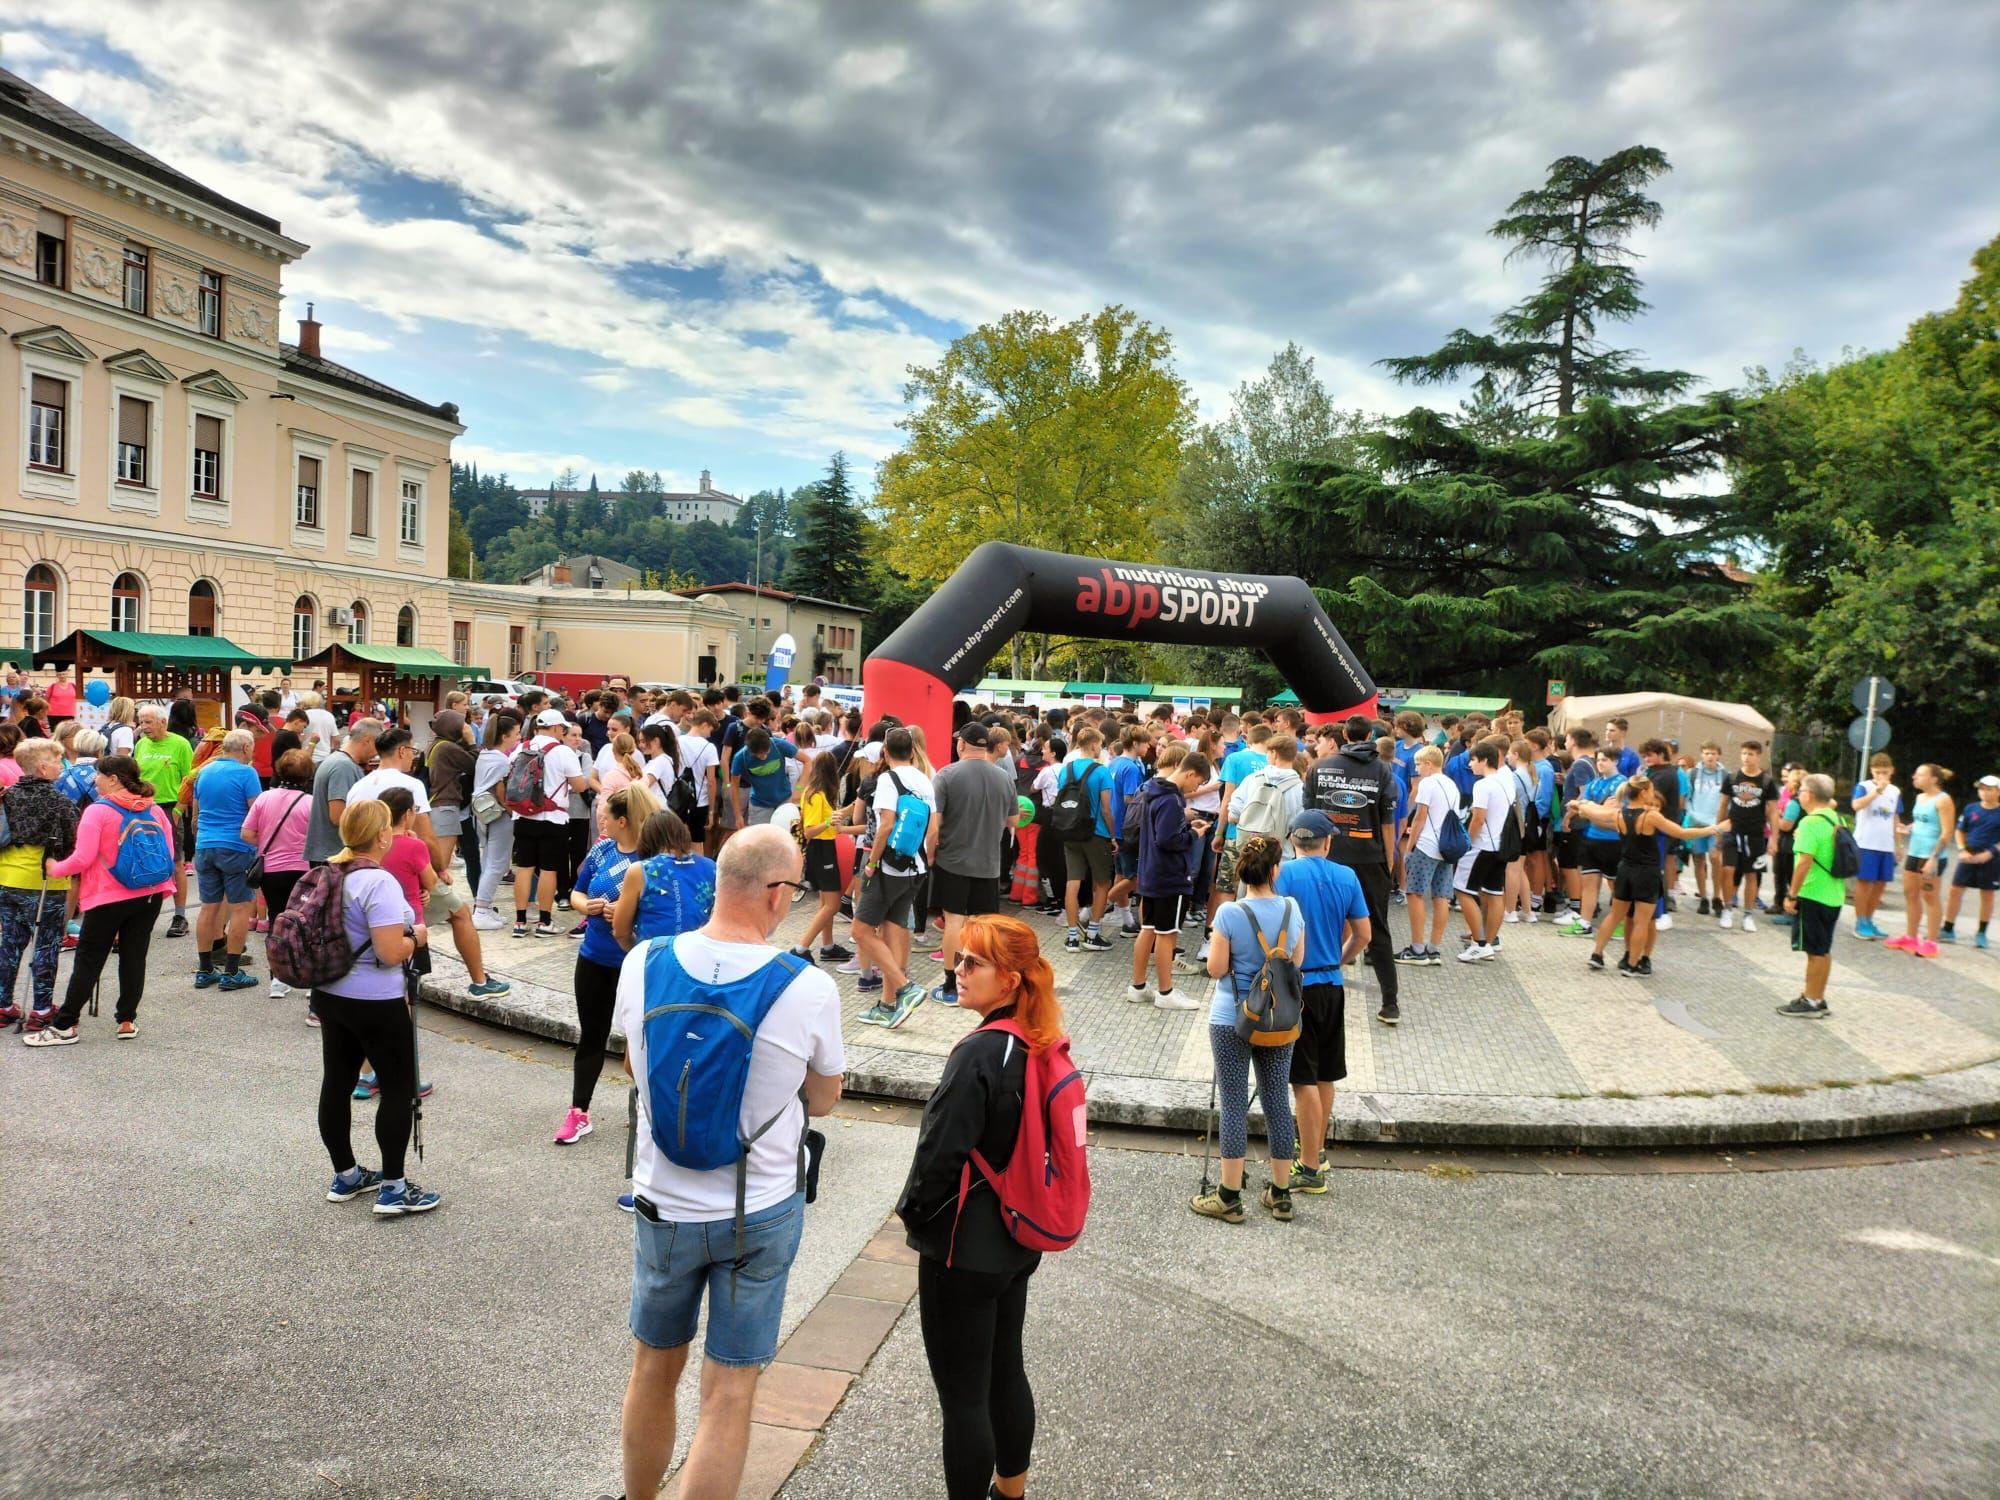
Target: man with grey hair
[(222, 793), (1816, 894), (332, 782), (724, 1233)]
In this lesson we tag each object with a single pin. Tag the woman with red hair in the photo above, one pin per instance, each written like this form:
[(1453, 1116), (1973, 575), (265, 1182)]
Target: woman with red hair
[(972, 1277)]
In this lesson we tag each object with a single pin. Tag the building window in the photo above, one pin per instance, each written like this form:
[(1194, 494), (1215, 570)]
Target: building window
[(211, 304), (135, 424), (48, 412), (201, 608), (406, 626), (361, 501), (125, 594), (461, 642), (357, 627), (38, 608), (515, 642), (136, 299), (412, 514), (307, 513), (52, 249), (303, 610), (208, 457)]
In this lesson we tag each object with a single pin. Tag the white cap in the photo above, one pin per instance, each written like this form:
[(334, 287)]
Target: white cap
[(549, 718), (1988, 781)]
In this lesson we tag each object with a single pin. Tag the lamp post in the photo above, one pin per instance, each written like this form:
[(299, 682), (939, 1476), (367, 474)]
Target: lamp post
[(757, 590)]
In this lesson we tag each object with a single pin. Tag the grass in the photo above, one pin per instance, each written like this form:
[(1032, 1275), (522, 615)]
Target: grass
[(1572, 1096), (1838, 1083), (1690, 1093), (1455, 1171), (1906, 1078), (1616, 1094), (1791, 1089)]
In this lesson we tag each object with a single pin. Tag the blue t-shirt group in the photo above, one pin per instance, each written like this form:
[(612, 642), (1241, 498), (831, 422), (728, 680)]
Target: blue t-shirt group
[(1602, 789), (224, 790), (1095, 778), (601, 874), (1329, 897), (770, 785)]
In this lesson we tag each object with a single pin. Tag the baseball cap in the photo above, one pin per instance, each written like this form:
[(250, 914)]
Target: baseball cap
[(974, 734), (549, 718), (1987, 781), (1312, 825)]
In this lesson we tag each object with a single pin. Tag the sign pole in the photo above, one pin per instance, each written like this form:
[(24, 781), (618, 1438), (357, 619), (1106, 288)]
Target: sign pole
[(1867, 732)]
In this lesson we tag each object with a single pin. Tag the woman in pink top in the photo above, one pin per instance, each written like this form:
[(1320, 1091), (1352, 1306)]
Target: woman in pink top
[(277, 826), (621, 768), (112, 911)]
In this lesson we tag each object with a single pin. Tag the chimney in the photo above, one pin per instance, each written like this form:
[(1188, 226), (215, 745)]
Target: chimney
[(561, 573), (309, 334), (706, 487)]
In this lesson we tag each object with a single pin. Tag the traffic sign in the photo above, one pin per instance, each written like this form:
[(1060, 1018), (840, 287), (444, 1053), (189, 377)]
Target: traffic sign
[(1868, 734), (1880, 690), (1558, 690)]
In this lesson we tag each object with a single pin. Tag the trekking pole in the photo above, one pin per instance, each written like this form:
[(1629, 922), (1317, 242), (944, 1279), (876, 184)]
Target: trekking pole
[(1207, 1122), (412, 984), (631, 1127)]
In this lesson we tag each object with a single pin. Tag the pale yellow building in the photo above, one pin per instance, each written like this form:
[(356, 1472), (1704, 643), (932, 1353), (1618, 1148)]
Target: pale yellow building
[(174, 468), (640, 634), (826, 633)]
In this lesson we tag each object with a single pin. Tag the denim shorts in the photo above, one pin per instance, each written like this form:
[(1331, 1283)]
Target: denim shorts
[(223, 874), (1427, 877), (674, 1264)]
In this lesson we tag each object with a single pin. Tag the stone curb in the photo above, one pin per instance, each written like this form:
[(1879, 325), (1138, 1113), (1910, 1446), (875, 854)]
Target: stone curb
[(1940, 1101)]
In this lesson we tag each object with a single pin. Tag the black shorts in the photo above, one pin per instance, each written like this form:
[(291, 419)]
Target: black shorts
[(822, 865), (1984, 876), (1639, 884), (1912, 865), (1812, 934), (1488, 875), (964, 895), (1569, 849), (1162, 915), (539, 845), (1320, 1053), (697, 824), (1740, 851), (1600, 857), (886, 900)]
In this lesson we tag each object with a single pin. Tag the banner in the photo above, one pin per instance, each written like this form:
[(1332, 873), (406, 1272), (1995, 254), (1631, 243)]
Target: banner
[(778, 665)]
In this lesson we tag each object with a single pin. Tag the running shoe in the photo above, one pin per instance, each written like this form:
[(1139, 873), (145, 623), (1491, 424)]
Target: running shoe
[(366, 1087), (520, 929), (1073, 942), (875, 1015), (805, 954), (944, 994), (1389, 1015), (575, 1126), (1625, 969), (578, 930), (868, 983), (280, 990), (1130, 928), (1701, 907), (1574, 927), (206, 979), (1174, 1000), (1946, 935), (1803, 1009), (1749, 922), (1471, 953), (237, 981), (366, 1180), (311, 1019), (1411, 954), (833, 953), (1665, 923), (10, 1015), (1728, 917), (1210, 1205), (49, 1036), (393, 1203), (486, 919), (128, 1031), (908, 998), (545, 929), (1512, 916), (852, 965), (70, 941), (1926, 949), (1643, 969), (1094, 943), (1979, 939), (178, 928), (1308, 1180), (1596, 962), (1905, 943), (491, 986), (629, 1202), (1140, 994), (1277, 1202)]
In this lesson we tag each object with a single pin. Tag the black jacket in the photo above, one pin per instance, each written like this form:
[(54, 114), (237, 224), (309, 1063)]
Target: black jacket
[(1358, 793), (40, 817), (977, 1104)]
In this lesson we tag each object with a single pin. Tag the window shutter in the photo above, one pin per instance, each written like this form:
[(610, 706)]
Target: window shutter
[(133, 421), (48, 391), (51, 223), (208, 434), (309, 472)]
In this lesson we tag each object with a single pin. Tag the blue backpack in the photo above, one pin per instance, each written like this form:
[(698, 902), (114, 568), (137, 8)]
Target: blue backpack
[(698, 1041), (1452, 840), (913, 821), (144, 857)]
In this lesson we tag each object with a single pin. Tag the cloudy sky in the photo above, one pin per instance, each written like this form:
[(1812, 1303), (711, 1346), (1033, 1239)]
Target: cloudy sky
[(691, 235)]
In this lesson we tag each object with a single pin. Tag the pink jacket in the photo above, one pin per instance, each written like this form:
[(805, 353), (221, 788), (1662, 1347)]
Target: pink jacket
[(97, 846)]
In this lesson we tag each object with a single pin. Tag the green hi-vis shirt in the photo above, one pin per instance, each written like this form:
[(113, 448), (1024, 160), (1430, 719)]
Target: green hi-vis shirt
[(1813, 840), (166, 762)]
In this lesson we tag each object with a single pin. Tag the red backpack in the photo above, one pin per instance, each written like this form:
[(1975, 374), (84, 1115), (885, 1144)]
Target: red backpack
[(1045, 1192)]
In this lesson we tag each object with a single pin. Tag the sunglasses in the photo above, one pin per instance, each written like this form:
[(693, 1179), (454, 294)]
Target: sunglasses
[(797, 885), (966, 961)]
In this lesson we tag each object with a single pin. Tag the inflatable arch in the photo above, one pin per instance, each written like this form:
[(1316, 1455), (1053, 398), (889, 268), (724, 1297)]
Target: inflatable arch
[(944, 647)]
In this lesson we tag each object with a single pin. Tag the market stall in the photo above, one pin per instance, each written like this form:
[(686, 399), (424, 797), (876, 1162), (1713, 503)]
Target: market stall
[(150, 668), (415, 678), (1682, 721)]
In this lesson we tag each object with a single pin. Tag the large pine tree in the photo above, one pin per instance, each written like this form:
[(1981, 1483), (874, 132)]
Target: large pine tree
[(830, 558), (1557, 525)]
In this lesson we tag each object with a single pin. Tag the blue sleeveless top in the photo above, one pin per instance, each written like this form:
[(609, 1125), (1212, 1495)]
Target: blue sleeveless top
[(1925, 831), (677, 897)]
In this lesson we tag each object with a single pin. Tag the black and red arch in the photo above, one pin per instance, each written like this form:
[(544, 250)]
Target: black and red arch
[(944, 647)]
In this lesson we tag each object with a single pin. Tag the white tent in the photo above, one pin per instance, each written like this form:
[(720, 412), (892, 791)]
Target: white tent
[(1686, 722)]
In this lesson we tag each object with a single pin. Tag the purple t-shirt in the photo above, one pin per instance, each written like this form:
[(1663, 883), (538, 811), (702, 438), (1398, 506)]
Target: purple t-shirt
[(372, 899)]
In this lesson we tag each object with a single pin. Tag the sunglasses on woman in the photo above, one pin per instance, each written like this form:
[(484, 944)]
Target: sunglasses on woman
[(968, 961)]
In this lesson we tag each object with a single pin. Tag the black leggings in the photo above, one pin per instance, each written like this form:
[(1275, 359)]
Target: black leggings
[(277, 888), (130, 922), (972, 1338), (378, 1030), (596, 992)]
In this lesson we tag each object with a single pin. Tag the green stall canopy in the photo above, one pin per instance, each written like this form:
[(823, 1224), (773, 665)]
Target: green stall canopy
[(1182, 690), (1452, 703), (196, 653), (404, 661), (1018, 686), (1119, 689)]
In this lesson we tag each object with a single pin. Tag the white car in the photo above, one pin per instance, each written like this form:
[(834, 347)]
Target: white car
[(482, 688)]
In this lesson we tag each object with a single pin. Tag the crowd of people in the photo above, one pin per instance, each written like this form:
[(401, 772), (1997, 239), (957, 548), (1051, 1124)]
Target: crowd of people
[(670, 834)]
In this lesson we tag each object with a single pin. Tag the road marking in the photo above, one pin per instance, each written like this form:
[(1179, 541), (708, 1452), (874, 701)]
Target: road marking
[(1911, 1239)]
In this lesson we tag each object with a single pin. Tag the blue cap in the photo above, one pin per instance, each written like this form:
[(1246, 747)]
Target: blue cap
[(1312, 825)]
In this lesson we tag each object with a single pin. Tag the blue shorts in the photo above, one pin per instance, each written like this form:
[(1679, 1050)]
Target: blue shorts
[(1696, 848), (223, 874), (1984, 876), (1878, 866), (1427, 877), (1128, 864), (674, 1264)]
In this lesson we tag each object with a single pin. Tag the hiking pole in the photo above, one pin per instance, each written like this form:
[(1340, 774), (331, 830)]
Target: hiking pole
[(631, 1127), (1207, 1121), (412, 985)]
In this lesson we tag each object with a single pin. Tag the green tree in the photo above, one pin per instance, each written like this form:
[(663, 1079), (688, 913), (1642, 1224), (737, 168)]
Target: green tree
[(831, 558), (1065, 436), (458, 547), (1557, 526)]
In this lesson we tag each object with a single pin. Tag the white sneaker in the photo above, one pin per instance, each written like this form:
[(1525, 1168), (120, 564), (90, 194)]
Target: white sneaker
[(1141, 994), (1665, 922), (1471, 953), (486, 919), (1728, 917), (1532, 917), (1202, 956), (1512, 916), (1749, 922), (1175, 1001), (1489, 950), (279, 989)]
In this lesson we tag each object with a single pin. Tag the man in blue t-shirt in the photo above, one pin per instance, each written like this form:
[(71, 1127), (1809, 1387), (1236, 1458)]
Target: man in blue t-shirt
[(223, 790), (1129, 771), (1336, 915), (1090, 857)]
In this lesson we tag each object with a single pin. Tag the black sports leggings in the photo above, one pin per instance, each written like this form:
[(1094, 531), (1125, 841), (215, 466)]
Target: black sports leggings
[(130, 923), (596, 992), (972, 1338), (378, 1030)]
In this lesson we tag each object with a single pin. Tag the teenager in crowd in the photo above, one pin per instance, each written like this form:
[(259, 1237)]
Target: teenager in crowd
[(1335, 909), (1876, 803), (1926, 853), (1428, 876), (165, 760), (1978, 861), (1635, 892), (1751, 800), (972, 1276), (1172, 836), (669, 889), (541, 840)]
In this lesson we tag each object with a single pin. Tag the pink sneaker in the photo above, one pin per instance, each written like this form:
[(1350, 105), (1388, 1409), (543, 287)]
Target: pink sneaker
[(575, 1126), (1926, 949), (1909, 944)]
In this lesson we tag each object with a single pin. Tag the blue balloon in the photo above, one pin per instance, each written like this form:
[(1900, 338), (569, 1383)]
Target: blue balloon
[(97, 692)]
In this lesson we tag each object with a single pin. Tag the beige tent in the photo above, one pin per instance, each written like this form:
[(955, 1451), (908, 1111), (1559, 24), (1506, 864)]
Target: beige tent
[(1668, 716)]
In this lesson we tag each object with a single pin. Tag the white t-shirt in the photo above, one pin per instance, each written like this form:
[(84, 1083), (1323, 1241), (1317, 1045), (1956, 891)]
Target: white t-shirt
[(606, 761), (559, 763), (660, 773), (886, 796), (1045, 784), (322, 734), (371, 787), (121, 737), (1875, 824), (697, 755), (1495, 793), (801, 1031), (1436, 795)]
